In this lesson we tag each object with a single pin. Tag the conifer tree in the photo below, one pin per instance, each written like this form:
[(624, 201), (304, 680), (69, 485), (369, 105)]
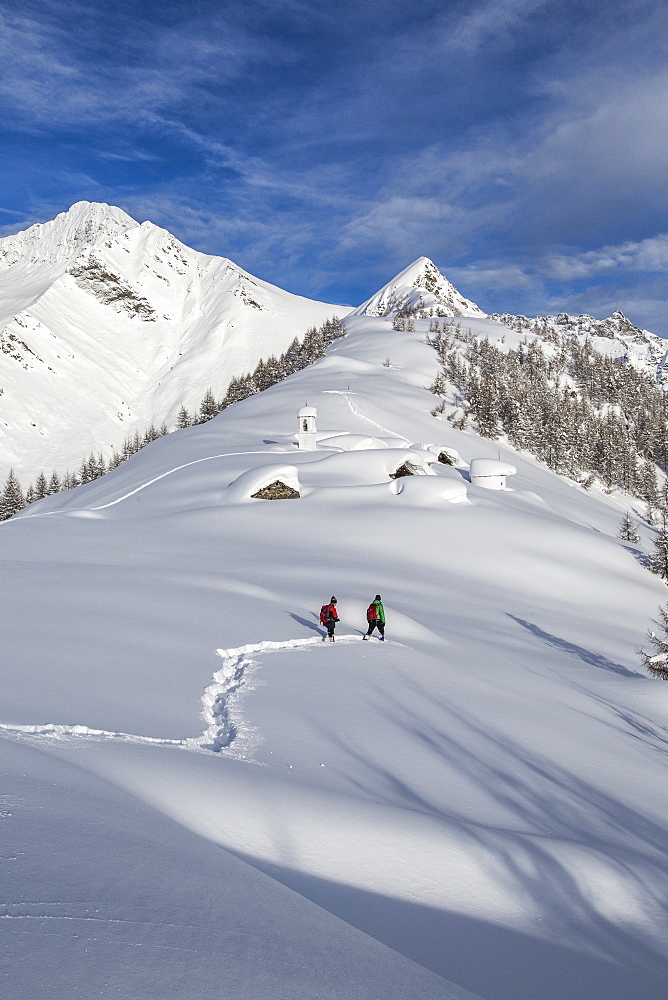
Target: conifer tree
[(96, 466), (12, 499), (41, 487), (648, 487), (84, 475), (626, 530), (292, 356), (261, 376), (313, 346), (183, 420), (656, 661), (659, 557), (274, 370), (150, 434), (208, 408)]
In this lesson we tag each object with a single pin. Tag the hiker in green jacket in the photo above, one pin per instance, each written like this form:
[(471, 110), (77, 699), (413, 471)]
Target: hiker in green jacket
[(375, 615)]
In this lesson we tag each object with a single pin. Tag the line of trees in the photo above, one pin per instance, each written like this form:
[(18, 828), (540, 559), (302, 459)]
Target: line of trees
[(585, 414), (300, 354)]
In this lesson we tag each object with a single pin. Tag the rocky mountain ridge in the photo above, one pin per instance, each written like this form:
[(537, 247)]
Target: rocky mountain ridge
[(615, 336)]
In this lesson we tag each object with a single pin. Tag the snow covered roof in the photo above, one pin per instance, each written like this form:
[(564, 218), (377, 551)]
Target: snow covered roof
[(481, 467), (421, 491), (351, 442), (255, 479), (307, 411)]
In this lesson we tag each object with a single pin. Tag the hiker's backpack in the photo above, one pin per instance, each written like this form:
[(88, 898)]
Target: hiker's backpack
[(325, 613), (372, 612)]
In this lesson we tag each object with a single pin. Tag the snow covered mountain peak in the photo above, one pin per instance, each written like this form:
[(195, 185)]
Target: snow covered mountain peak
[(420, 286), (84, 224), (108, 326)]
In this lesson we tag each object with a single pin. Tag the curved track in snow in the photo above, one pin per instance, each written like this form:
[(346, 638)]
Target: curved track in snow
[(386, 431), (137, 489), (222, 722)]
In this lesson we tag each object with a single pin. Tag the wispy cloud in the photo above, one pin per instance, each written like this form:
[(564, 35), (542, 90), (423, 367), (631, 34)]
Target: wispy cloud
[(489, 22), (53, 76), (650, 255), (131, 156)]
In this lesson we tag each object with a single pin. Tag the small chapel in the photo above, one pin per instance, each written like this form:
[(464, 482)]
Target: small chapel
[(306, 433)]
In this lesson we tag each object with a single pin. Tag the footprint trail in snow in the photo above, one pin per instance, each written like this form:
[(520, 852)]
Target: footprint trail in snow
[(221, 721)]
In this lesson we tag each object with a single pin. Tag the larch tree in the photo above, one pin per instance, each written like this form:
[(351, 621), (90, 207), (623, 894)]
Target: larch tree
[(626, 529), (656, 661), (659, 557), (12, 499)]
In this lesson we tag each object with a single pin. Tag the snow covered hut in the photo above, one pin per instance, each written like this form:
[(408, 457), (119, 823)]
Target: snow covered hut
[(306, 433), (490, 473)]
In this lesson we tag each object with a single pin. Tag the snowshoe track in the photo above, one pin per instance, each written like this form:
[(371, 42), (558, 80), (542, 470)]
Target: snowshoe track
[(222, 717)]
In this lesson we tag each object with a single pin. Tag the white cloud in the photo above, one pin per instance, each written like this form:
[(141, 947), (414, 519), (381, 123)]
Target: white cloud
[(594, 162), (399, 221), (647, 255), (495, 277), (488, 22)]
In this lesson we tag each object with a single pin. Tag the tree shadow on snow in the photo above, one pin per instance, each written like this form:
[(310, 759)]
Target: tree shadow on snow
[(593, 659), (588, 954), (493, 961), (639, 556)]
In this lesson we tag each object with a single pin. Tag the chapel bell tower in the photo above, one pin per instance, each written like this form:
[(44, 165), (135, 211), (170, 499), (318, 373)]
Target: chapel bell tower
[(306, 432)]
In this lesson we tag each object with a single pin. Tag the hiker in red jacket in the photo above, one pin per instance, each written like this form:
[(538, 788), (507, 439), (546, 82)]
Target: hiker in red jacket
[(329, 618)]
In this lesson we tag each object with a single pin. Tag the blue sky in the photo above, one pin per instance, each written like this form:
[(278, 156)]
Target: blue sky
[(325, 144)]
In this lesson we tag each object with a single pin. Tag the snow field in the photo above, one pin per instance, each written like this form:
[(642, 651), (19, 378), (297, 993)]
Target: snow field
[(483, 794), (105, 896)]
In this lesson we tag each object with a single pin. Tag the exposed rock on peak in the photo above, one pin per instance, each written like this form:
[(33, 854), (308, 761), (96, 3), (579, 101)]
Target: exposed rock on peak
[(420, 287)]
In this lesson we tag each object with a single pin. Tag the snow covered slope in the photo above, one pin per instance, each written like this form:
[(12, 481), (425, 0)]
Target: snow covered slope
[(107, 326), (419, 286), (480, 800)]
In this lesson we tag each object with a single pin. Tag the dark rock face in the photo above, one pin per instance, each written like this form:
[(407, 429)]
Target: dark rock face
[(403, 470)]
